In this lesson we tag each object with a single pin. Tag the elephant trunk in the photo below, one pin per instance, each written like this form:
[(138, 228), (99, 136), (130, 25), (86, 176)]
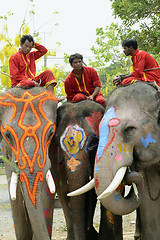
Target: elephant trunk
[(36, 215), (116, 202)]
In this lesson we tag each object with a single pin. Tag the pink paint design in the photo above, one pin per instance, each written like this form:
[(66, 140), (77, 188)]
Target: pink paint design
[(118, 157), (47, 213), (113, 122), (49, 228), (94, 121), (96, 183), (49, 194)]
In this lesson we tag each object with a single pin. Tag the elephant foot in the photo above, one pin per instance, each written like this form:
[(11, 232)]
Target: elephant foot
[(92, 234)]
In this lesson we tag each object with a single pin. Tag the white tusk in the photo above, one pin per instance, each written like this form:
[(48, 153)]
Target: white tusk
[(115, 183), (83, 189), (13, 186), (50, 182), (135, 190)]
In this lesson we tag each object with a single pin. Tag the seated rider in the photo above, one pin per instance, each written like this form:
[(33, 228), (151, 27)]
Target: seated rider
[(145, 67), (23, 68), (83, 82)]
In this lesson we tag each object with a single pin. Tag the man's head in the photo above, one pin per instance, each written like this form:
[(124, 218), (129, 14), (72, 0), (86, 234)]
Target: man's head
[(129, 45), (76, 61), (27, 42)]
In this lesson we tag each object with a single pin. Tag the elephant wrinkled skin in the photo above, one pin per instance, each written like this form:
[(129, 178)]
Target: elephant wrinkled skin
[(130, 138), (77, 139), (28, 120)]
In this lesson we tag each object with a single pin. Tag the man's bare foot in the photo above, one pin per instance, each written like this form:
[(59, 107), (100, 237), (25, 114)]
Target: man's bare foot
[(155, 85)]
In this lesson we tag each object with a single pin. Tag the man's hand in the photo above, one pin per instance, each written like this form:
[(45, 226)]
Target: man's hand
[(90, 97), (36, 84), (117, 80)]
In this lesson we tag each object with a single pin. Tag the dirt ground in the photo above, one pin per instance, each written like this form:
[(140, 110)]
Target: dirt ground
[(59, 227)]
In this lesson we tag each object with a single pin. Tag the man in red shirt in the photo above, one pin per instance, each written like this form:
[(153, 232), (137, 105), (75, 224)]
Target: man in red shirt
[(83, 82), (23, 68), (145, 67)]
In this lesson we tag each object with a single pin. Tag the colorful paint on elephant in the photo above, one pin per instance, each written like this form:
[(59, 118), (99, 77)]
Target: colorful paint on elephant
[(109, 120), (110, 217), (113, 150), (72, 141), (146, 141), (29, 131), (94, 121)]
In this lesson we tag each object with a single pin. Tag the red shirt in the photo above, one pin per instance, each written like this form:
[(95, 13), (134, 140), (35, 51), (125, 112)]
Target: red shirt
[(23, 67), (141, 61), (89, 81)]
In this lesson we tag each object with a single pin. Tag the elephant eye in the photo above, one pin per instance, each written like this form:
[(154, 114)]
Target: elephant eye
[(50, 133), (8, 136), (129, 129), (92, 143)]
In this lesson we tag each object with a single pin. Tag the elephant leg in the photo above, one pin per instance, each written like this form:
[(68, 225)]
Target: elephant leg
[(91, 198), (138, 227), (110, 226)]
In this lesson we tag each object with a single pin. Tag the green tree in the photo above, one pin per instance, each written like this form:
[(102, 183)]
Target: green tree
[(140, 19), (109, 58)]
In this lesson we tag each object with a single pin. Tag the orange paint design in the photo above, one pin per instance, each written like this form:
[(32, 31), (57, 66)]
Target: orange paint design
[(27, 101), (32, 193), (72, 164)]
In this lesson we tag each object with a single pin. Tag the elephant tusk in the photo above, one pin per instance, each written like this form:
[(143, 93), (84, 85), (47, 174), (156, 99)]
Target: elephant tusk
[(115, 183), (50, 182), (135, 190), (83, 189), (13, 186)]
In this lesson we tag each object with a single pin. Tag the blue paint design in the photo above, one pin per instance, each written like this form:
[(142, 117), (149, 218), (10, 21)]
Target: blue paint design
[(104, 131), (146, 141), (96, 169), (117, 198)]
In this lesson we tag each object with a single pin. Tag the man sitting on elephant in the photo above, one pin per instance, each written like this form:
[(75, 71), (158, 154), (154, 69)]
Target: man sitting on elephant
[(145, 67), (83, 82), (23, 68)]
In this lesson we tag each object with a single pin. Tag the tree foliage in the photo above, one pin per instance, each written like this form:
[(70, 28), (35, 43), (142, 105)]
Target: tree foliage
[(9, 46), (109, 59), (140, 19)]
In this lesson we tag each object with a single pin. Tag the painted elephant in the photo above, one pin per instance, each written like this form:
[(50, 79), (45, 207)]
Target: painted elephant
[(129, 154), (77, 140), (28, 120)]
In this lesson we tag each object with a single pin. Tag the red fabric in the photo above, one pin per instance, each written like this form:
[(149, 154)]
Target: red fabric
[(23, 68), (80, 97), (141, 61), (74, 86)]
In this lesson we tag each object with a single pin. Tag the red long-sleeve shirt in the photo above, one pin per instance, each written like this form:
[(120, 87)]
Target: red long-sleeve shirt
[(89, 81), (23, 68)]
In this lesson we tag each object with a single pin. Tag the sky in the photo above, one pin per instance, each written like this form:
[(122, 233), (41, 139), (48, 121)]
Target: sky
[(77, 22)]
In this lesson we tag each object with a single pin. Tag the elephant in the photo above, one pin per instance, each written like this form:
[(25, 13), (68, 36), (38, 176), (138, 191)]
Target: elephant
[(28, 122), (75, 142), (128, 153)]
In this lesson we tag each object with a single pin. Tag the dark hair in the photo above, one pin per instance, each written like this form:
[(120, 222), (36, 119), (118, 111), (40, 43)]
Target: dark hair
[(26, 37), (130, 42), (74, 56)]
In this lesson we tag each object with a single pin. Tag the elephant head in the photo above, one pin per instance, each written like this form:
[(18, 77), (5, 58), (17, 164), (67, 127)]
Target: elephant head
[(77, 139), (129, 148), (27, 125)]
